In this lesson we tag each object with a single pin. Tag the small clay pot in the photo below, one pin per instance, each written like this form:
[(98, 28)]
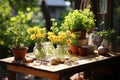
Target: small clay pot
[(19, 53), (82, 50), (83, 34), (91, 48), (73, 50)]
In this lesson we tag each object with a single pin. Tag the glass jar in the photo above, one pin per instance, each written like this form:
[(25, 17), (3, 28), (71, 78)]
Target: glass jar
[(48, 49), (62, 51), (38, 51), (43, 50)]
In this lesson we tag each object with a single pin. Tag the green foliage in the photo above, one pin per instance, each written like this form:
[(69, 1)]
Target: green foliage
[(21, 5), (62, 14), (78, 20), (4, 16), (17, 27), (55, 28), (16, 15), (107, 34)]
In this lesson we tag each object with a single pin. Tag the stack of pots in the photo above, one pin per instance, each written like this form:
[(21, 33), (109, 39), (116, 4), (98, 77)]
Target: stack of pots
[(84, 47)]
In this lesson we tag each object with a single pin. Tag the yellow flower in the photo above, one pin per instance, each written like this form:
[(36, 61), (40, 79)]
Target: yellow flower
[(43, 35), (62, 34), (53, 39), (36, 29), (72, 35), (37, 34), (32, 37), (29, 30), (68, 41), (60, 38), (50, 33)]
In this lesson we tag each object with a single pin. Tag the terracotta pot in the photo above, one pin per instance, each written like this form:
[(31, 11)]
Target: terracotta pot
[(82, 50), (82, 34), (73, 50), (19, 53)]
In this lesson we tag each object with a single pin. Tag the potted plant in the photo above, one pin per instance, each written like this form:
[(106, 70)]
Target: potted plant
[(79, 20), (17, 39), (107, 36), (18, 35)]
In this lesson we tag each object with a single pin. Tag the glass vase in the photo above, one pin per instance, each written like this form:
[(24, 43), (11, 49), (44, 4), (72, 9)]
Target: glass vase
[(43, 50), (48, 49), (62, 51), (38, 51)]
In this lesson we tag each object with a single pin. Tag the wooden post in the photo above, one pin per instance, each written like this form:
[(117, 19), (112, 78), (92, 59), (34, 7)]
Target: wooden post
[(46, 14), (12, 75)]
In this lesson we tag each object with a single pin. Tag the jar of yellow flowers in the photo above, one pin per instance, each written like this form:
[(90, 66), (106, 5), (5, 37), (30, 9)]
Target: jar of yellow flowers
[(39, 36), (62, 40)]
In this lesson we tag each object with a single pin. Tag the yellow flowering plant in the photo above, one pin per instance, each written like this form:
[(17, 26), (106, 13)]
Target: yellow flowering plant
[(62, 38), (37, 34)]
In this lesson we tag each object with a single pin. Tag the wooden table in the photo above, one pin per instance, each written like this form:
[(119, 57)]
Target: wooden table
[(56, 72)]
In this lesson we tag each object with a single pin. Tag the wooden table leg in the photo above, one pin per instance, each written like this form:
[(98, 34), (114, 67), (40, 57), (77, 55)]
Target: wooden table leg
[(56, 77), (11, 75)]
